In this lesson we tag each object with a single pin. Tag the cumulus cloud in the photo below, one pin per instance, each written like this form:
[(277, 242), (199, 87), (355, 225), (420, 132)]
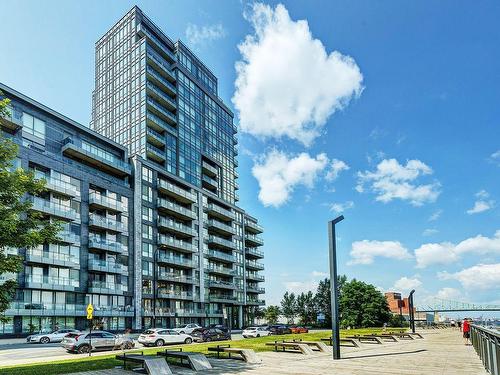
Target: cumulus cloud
[(197, 35), (478, 277), (435, 215), (392, 180), (447, 252), (482, 203), (298, 287), (278, 174), (287, 84), (341, 207), (365, 252), (406, 284), (449, 294), (495, 158), (429, 232), (336, 167)]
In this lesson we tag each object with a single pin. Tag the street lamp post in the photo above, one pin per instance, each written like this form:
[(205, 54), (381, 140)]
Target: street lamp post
[(334, 287), (411, 312), (155, 282)]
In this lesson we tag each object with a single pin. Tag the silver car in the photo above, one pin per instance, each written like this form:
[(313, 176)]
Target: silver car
[(101, 340), (46, 337)]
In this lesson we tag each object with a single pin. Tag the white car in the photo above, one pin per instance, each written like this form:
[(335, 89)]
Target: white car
[(45, 338), (188, 328), (255, 332), (162, 336)]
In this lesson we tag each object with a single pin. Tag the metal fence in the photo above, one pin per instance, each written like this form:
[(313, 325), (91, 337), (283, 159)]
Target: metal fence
[(486, 342)]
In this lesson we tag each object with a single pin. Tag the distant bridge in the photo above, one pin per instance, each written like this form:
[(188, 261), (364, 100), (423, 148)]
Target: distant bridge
[(442, 305)]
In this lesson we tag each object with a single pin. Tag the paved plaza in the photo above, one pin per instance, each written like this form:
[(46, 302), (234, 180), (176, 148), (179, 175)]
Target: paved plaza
[(441, 352)]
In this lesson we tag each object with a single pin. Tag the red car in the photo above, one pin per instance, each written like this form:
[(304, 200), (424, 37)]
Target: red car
[(298, 329)]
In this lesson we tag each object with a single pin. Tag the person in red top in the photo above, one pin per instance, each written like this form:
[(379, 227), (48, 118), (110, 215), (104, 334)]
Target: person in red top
[(466, 330)]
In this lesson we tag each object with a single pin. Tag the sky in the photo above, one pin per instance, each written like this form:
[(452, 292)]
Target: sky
[(383, 111)]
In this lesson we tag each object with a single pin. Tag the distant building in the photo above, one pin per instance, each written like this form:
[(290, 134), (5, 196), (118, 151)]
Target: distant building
[(397, 305)]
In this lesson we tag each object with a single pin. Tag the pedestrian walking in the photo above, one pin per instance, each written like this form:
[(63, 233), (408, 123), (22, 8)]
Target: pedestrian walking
[(466, 330)]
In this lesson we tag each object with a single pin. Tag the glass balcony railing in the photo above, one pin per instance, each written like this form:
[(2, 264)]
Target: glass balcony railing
[(155, 137), (253, 301), (254, 276), (104, 287), (158, 123), (108, 245), (170, 188), (98, 199), (53, 208), (254, 239), (161, 96), (107, 223), (106, 266), (226, 228), (176, 226), (254, 227), (161, 111), (219, 211), (65, 235), (222, 298), (221, 270), (67, 309), (221, 242), (169, 241), (253, 251), (161, 63), (155, 153), (209, 180), (220, 255), (159, 43), (159, 78), (167, 293), (255, 289), (50, 282), (59, 186), (12, 120), (179, 261), (174, 277), (209, 169), (252, 264), (50, 257), (176, 208), (221, 284)]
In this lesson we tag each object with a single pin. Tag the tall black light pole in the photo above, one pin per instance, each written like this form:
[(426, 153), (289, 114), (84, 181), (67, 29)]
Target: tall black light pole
[(410, 307), (334, 287), (155, 282)]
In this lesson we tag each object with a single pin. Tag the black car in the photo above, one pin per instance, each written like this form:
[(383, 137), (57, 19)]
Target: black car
[(210, 334), (219, 326), (279, 329)]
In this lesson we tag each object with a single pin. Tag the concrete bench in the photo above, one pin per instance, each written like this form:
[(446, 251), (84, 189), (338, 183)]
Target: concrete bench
[(403, 335), (294, 346), (383, 336), (248, 355), (197, 361), (319, 346), (151, 364), (346, 342), (369, 339), (418, 335)]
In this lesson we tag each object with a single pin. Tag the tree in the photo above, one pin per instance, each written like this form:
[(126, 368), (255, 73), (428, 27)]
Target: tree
[(19, 227), (322, 298), (271, 314), (362, 305), (306, 309), (289, 306)]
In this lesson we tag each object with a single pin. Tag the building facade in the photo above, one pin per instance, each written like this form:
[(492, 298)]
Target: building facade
[(199, 252), (149, 196)]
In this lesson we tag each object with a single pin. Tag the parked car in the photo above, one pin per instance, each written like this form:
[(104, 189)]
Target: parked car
[(210, 334), (188, 328), (298, 329), (101, 340), (255, 332), (279, 329), (162, 336), (55, 336), (219, 326)]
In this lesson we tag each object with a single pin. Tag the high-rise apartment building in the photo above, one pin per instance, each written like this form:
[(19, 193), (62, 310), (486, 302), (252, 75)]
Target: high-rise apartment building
[(197, 251)]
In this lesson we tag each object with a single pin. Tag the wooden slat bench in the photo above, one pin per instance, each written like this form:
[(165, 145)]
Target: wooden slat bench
[(248, 355), (342, 341), (151, 364), (294, 346), (319, 346), (369, 339), (197, 361)]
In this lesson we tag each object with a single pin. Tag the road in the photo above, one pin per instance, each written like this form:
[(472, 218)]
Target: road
[(14, 352)]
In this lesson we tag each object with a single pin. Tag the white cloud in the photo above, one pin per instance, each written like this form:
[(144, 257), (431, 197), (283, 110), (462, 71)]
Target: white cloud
[(406, 284), (287, 84), (364, 252), (320, 274), (495, 157), (197, 35), (341, 207), (304, 286), (449, 294), (447, 252), (435, 215), (278, 174), (392, 180), (429, 232), (478, 277), (336, 167), (482, 203)]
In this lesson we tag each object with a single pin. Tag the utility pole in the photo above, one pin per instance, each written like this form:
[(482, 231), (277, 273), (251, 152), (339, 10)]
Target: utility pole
[(412, 315)]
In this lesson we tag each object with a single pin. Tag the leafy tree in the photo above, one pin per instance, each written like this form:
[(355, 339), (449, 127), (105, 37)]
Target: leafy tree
[(362, 305), (271, 313), (19, 227), (322, 298), (306, 308), (289, 306), (397, 320), (259, 313)]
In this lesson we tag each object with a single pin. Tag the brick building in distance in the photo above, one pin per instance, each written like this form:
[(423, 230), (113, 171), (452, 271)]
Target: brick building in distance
[(397, 305)]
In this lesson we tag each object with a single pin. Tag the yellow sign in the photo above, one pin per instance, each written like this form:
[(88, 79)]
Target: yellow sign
[(90, 310)]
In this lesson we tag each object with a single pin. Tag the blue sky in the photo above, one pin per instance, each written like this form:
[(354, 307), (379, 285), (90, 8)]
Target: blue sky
[(403, 136)]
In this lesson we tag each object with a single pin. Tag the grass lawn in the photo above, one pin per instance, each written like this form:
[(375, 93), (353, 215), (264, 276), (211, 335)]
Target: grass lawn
[(109, 361)]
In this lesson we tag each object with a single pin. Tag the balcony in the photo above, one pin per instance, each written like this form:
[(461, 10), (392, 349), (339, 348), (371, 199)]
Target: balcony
[(160, 81), (219, 255), (253, 265), (254, 276), (109, 203), (253, 240), (177, 192), (161, 97), (115, 166), (256, 302), (97, 221), (157, 123), (160, 311), (177, 227), (190, 313), (50, 282), (156, 154), (173, 243), (209, 182), (107, 245), (177, 261), (255, 289), (52, 258), (253, 227), (208, 169), (107, 267), (143, 31), (12, 121), (67, 236), (221, 284), (162, 112), (222, 298), (67, 309), (220, 270), (160, 65), (102, 287), (54, 209), (176, 209), (252, 251), (219, 212), (59, 186), (172, 294), (221, 242), (176, 278), (155, 138), (220, 227)]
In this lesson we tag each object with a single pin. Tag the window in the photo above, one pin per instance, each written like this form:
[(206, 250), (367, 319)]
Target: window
[(33, 125), (147, 193), (147, 213), (147, 174), (147, 231)]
